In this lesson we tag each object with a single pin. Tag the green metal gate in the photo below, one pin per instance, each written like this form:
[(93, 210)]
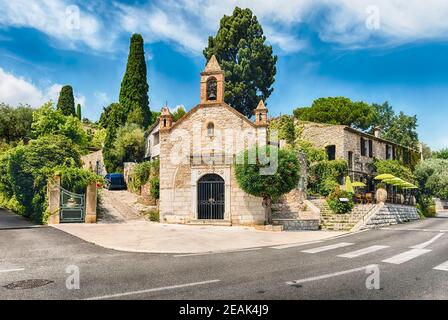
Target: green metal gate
[(72, 206)]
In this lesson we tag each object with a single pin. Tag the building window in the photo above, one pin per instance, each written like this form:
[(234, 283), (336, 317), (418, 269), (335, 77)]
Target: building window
[(210, 129), (212, 88), (331, 152), (389, 152), (155, 138), (366, 147)]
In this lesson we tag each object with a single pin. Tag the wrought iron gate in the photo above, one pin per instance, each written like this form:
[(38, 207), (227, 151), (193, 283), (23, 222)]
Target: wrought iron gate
[(72, 206), (211, 197)]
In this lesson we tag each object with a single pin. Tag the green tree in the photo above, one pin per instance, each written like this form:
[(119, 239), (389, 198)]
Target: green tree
[(385, 116), (399, 128), (441, 154), (24, 171), (66, 101), (338, 110), (48, 121), (134, 86), (432, 177), (395, 168), (248, 63), (403, 131), (426, 152), (179, 113), (15, 123), (78, 111), (269, 186), (127, 145)]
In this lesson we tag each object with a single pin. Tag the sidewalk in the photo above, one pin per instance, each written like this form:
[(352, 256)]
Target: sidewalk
[(151, 237)]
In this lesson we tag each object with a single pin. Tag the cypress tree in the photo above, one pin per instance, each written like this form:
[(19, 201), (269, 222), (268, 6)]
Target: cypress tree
[(134, 86), (66, 101), (78, 111)]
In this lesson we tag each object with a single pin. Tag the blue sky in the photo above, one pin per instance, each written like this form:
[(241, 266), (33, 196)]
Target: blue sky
[(373, 51)]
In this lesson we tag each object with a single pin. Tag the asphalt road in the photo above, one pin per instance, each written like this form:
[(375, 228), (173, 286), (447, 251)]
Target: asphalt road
[(405, 256)]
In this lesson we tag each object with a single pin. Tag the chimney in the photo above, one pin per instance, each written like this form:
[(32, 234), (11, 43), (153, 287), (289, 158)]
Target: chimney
[(377, 132)]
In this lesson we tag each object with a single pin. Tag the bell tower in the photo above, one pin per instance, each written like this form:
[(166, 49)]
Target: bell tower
[(212, 83), (166, 119), (261, 113)]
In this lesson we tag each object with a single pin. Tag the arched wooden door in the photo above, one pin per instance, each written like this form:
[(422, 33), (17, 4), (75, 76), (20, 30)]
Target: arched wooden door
[(211, 197)]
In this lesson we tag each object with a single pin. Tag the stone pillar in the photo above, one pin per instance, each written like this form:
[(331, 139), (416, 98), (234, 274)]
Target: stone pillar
[(54, 199), (91, 201)]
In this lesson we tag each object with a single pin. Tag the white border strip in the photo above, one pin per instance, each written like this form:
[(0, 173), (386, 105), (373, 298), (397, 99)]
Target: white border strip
[(12, 270), (329, 275), (117, 295)]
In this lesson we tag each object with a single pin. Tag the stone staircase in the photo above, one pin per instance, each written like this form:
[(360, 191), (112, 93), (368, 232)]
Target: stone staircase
[(292, 213), (341, 222)]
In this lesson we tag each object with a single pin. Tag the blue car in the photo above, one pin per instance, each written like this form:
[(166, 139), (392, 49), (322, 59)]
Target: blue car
[(115, 181)]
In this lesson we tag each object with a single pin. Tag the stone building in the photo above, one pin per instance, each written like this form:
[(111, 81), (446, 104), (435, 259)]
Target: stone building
[(197, 156), (358, 148)]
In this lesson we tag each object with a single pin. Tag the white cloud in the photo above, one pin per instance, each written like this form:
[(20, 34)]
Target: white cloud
[(188, 23), (59, 19), (18, 90)]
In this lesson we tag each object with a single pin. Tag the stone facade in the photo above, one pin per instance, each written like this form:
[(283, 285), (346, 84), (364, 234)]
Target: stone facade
[(347, 145), (205, 141)]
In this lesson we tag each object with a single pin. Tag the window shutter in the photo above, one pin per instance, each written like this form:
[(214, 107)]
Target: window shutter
[(370, 148)]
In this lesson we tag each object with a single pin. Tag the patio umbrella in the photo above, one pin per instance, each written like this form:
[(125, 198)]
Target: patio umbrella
[(384, 176), (348, 185), (358, 184)]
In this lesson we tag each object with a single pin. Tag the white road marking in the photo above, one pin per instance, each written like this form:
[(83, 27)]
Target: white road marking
[(362, 252), (214, 252), (285, 246), (442, 267), (329, 275), (406, 256), (152, 290), (329, 247), (11, 270), (427, 243)]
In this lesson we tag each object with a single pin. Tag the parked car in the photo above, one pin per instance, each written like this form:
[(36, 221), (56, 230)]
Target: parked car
[(114, 181)]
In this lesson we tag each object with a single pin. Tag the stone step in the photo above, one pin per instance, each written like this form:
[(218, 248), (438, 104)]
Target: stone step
[(210, 222)]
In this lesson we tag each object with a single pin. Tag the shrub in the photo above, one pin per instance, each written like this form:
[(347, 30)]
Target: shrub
[(394, 167), (24, 171), (338, 206), (326, 175), (48, 121), (155, 187), (153, 215), (76, 179), (140, 175), (270, 186)]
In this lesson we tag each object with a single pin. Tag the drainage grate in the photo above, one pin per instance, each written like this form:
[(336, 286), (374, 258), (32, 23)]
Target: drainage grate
[(27, 284)]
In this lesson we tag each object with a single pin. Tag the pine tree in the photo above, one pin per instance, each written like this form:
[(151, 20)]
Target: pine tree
[(78, 111), (248, 62), (66, 101), (134, 86)]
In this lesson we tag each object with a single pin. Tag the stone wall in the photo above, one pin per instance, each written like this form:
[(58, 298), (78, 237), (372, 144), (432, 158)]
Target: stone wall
[(178, 176), (391, 214), (295, 225), (322, 135)]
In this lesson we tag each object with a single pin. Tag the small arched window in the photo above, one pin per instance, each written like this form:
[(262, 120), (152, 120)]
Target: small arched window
[(212, 88), (210, 129)]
